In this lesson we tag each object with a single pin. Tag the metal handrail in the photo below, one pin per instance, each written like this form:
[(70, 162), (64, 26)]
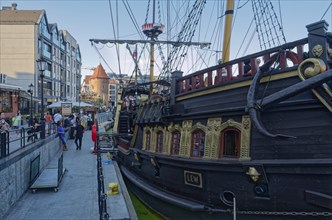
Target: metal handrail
[(13, 140), (102, 196)]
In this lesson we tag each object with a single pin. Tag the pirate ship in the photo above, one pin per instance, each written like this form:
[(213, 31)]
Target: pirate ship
[(248, 138)]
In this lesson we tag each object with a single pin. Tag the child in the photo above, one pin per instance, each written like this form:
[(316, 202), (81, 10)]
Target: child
[(61, 134)]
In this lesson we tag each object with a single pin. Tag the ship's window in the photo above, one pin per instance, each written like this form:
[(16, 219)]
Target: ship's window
[(160, 137), (175, 145), (148, 139), (230, 142), (198, 139)]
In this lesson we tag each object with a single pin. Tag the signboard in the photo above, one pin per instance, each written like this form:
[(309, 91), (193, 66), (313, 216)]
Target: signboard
[(193, 179), (66, 108)]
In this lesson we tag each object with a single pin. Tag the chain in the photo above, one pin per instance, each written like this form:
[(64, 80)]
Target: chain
[(285, 213)]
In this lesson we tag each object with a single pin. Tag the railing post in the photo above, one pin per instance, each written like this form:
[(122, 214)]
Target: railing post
[(175, 90), (3, 137)]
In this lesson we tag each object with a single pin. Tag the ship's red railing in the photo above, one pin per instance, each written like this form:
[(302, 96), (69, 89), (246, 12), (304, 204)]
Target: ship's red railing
[(286, 56)]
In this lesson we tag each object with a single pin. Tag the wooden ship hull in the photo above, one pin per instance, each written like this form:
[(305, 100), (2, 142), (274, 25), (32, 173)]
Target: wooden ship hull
[(254, 145)]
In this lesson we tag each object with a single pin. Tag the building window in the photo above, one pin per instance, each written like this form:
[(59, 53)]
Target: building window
[(160, 142), (175, 144), (44, 29), (6, 102), (148, 139), (198, 139), (230, 142)]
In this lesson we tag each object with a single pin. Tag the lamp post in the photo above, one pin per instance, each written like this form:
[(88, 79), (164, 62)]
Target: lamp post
[(31, 113), (41, 66), (79, 103)]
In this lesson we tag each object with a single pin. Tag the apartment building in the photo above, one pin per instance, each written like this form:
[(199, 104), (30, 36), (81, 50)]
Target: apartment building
[(26, 36)]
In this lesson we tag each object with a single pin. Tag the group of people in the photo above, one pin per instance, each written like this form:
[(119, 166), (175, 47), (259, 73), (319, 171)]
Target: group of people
[(16, 122), (72, 120), (76, 121)]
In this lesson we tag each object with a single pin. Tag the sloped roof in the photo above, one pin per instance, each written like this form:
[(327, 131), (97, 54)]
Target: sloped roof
[(99, 73), (87, 78), (13, 17)]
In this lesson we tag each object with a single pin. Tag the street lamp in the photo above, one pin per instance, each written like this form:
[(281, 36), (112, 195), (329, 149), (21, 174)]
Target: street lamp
[(42, 66), (31, 113), (79, 103)]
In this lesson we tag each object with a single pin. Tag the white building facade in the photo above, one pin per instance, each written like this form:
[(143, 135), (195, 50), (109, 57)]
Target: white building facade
[(26, 36)]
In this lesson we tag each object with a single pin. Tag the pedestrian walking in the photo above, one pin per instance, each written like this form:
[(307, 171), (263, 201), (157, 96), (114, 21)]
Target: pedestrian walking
[(34, 129), (61, 135), (79, 130), (57, 117), (16, 122), (48, 123)]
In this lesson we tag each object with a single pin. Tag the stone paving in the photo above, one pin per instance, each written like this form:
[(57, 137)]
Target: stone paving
[(77, 197)]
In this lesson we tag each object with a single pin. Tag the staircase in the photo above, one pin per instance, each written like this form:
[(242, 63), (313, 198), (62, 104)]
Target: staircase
[(124, 123)]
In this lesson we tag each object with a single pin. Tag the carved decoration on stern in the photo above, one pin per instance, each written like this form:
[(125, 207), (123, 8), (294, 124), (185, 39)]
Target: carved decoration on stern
[(212, 138), (317, 50), (310, 68), (245, 138), (186, 138)]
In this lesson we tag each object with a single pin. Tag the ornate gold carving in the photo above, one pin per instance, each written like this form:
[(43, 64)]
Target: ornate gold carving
[(212, 138), (245, 138), (185, 138), (311, 67), (317, 50), (229, 123), (253, 174)]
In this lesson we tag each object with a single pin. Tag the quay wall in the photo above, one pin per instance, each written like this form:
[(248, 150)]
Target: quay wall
[(15, 170)]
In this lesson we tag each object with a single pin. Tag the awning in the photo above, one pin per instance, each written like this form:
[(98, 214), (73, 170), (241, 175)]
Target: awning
[(26, 95), (10, 87)]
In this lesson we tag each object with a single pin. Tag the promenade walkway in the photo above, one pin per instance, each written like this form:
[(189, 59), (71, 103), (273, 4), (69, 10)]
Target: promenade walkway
[(77, 197)]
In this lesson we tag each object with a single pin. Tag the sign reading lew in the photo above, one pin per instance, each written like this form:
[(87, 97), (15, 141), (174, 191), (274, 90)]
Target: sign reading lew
[(193, 179)]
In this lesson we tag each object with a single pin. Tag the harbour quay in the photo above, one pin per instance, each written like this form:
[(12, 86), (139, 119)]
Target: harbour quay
[(78, 195)]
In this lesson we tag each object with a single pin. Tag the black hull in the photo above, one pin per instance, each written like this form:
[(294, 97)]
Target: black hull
[(260, 144), (168, 194), (170, 211)]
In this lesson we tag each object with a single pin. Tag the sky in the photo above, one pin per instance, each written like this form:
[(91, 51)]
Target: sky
[(87, 19)]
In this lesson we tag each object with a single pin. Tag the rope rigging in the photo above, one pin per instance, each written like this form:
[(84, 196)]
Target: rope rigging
[(115, 36), (268, 26), (176, 56)]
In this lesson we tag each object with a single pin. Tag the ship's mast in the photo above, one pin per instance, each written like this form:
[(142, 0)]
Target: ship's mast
[(227, 31), (152, 30)]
